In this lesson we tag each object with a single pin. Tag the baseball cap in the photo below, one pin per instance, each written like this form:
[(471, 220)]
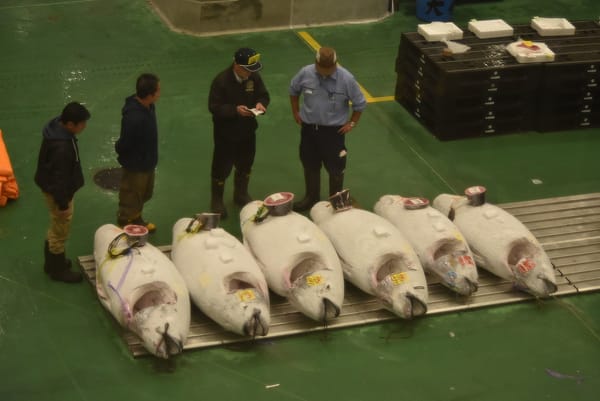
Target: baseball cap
[(326, 61), (248, 58)]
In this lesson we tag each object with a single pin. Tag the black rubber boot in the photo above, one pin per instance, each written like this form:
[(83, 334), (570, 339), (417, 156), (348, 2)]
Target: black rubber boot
[(216, 200), (312, 181), (240, 188), (336, 183), (59, 268), (47, 263)]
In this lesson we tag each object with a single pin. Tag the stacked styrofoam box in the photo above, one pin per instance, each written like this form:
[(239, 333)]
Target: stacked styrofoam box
[(492, 28), (552, 26), (438, 31)]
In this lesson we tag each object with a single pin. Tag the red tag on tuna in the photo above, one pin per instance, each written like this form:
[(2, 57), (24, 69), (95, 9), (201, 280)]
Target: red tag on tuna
[(466, 260), (525, 265)]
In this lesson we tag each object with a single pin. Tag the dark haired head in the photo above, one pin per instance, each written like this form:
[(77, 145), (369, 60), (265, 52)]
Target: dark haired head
[(74, 112), (146, 85)]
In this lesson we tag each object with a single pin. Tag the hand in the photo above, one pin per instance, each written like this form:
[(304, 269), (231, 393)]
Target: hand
[(346, 128), (297, 118), (244, 111), (259, 106)]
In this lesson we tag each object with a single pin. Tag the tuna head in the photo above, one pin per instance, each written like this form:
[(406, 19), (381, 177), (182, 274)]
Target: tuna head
[(397, 291), (158, 321), (531, 268), (455, 268), (245, 309), (316, 290)]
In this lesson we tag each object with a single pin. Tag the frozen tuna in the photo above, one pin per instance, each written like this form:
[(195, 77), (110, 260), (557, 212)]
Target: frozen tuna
[(297, 259), (375, 256), (500, 243), (442, 249), (141, 288), (223, 278)]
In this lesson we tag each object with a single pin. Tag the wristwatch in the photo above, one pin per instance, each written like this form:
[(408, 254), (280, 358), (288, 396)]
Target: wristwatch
[(352, 124)]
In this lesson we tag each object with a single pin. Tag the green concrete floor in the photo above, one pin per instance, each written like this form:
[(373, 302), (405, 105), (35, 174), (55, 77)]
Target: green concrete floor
[(56, 341)]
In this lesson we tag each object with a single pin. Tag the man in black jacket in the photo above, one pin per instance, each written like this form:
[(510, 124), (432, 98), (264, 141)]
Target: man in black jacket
[(237, 96), (59, 175), (137, 149)]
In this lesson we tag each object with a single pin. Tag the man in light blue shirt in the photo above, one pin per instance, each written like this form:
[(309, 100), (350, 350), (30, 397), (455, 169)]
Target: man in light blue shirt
[(327, 90)]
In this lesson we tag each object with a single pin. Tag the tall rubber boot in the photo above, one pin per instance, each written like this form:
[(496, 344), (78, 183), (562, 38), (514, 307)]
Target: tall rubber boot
[(240, 188), (312, 181), (336, 183), (47, 261), (59, 269), (216, 199)]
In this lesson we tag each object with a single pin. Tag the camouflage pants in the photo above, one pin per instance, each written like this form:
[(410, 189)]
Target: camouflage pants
[(135, 190), (60, 225)]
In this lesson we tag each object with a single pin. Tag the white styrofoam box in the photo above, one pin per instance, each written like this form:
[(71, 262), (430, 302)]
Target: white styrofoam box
[(491, 28), (437, 31), (552, 26), (526, 51)]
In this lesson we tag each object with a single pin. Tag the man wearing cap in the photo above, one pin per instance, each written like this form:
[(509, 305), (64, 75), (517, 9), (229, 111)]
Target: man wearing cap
[(327, 90), (237, 96)]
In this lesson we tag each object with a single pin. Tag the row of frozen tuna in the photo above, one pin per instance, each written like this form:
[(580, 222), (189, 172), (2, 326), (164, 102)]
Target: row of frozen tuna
[(385, 254)]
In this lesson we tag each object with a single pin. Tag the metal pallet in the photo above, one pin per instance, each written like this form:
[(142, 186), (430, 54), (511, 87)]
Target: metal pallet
[(568, 228)]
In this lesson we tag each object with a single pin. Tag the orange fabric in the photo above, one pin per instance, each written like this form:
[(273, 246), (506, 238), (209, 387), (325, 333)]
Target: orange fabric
[(11, 189), (8, 183), (5, 166)]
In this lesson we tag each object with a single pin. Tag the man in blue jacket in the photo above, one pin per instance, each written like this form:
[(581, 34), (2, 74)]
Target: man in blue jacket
[(137, 149), (59, 175)]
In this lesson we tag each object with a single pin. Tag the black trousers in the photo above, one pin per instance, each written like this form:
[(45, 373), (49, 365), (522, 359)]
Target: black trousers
[(321, 144), (228, 153)]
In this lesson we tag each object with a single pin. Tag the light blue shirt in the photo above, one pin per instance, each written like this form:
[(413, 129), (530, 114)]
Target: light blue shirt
[(326, 101)]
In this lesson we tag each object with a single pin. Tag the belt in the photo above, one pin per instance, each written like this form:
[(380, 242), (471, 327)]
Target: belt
[(317, 126)]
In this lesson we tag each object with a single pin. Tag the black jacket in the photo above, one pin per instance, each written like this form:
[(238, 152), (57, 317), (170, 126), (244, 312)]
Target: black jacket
[(137, 146), (226, 93), (59, 168)]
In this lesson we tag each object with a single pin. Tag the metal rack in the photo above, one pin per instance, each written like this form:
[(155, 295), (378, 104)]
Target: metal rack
[(568, 228)]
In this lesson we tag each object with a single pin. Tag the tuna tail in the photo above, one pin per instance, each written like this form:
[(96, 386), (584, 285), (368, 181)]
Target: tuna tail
[(467, 287), (474, 286), (168, 345), (417, 306), (550, 285), (256, 325), (330, 310), (407, 306)]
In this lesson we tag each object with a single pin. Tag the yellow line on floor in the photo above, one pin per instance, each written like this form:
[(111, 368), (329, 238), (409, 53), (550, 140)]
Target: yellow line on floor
[(312, 43)]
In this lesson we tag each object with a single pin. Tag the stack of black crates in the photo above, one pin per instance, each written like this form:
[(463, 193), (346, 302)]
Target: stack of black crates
[(485, 91)]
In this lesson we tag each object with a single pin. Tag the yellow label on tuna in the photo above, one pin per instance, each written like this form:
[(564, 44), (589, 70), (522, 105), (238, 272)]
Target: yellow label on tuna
[(246, 295), (314, 280), (399, 278)]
